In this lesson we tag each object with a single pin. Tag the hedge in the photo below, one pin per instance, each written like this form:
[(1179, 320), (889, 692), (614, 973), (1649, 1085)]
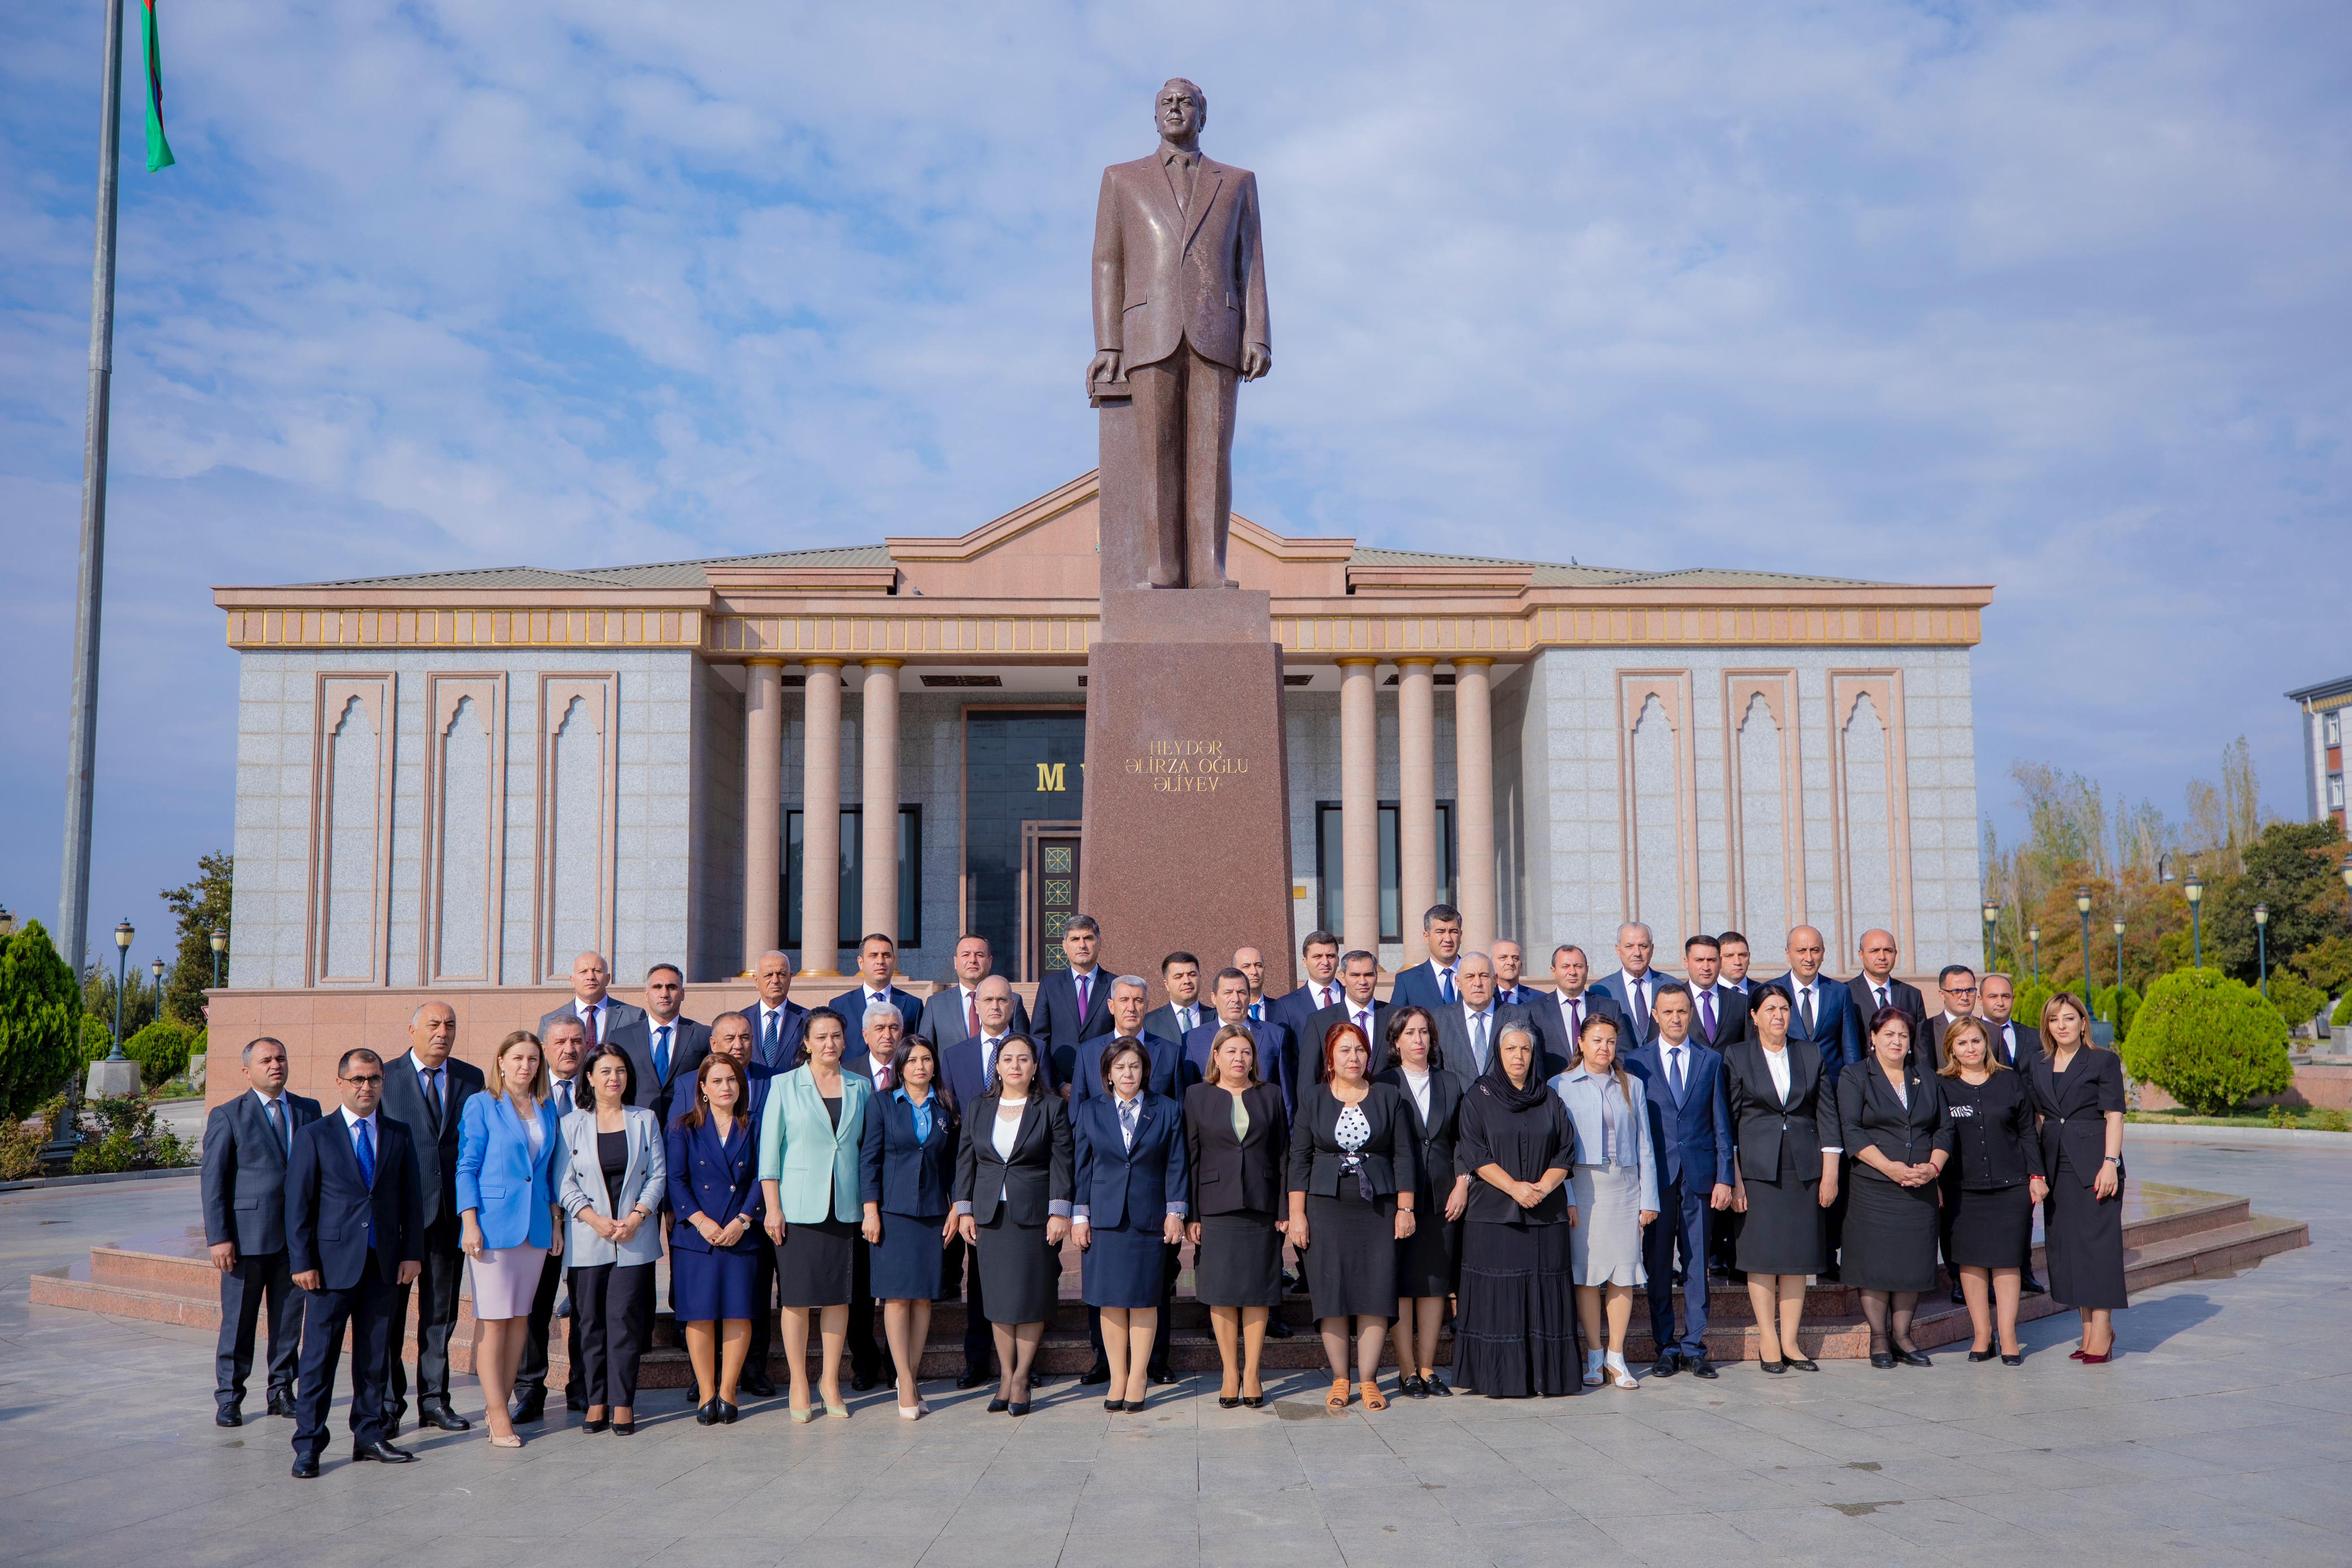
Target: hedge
[(40, 1001), (2210, 1041)]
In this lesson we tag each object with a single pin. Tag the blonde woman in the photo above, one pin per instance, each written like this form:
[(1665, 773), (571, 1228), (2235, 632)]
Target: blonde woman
[(509, 1150), (1614, 1186), (1991, 1187), (2078, 1091)]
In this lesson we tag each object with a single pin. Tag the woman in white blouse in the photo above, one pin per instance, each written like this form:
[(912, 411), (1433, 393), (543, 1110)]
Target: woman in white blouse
[(1428, 1261), (1616, 1193)]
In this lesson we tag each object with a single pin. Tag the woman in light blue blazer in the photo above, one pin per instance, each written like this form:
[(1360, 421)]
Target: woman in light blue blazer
[(509, 1150), (616, 1171), (1614, 1187), (810, 1140)]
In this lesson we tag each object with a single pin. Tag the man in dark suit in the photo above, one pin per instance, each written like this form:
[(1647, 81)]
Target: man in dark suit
[(247, 1142), (424, 1090), (1359, 979), (1073, 1002), (1719, 1014), (591, 1002), (953, 1014), (1877, 988), (1276, 1051), (566, 1045), (1180, 317), (1467, 1031), (1635, 984), (775, 1019), (1320, 958), (1184, 1010), (1690, 1128), (1737, 956), (1432, 984), (968, 1070), (1510, 964), (1165, 1055), (1572, 1000), (2016, 1045), (354, 1229), (1956, 989), (663, 1046), (877, 960)]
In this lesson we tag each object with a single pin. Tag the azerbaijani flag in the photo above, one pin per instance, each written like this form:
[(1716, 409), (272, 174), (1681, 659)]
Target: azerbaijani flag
[(158, 150)]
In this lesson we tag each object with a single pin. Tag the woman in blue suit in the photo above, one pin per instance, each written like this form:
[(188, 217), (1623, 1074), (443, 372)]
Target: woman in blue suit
[(809, 1139), (714, 1259), (906, 1173), (508, 1149), (1131, 1179)]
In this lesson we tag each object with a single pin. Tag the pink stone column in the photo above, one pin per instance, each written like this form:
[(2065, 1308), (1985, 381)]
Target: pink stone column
[(1359, 805), (1416, 800), (878, 728), (821, 822), (1474, 797), (763, 807)]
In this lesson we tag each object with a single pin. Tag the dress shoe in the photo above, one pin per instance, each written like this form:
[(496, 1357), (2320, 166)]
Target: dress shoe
[(1775, 1368), (2009, 1360), (862, 1379), (725, 1411), (756, 1384), (1116, 1405), (281, 1403), (998, 1406), (1960, 1296), (1160, 1376), (624, 1429), (444, 1419), (2097, 1360), (394, 1415), (1663, 1367), (2027, 1285), (1913, 1357), (1017, 1409), (305, 1468), (228, 1416), (1803, 1363), (2075, 1353), (1253, 1401), (526, 1409), (1436, 1387), (1702, 1367), (1225, 1402), (1277, 1329), (972, 1377), (1412, 1388), (1980, 1355), (706, 1414), (575, 1403), (595, 1424), (1097, 1374), (381, 1452), (1880, 1359)]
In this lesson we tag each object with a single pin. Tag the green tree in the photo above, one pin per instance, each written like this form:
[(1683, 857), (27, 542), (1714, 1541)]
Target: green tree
[(199, 907), (2292, 868), (2326, 964), (2208, 1040), (39, 1015), (140, 1001), (2298, 1001)]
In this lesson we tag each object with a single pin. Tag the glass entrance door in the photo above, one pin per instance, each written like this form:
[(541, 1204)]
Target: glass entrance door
[(1049, 882)]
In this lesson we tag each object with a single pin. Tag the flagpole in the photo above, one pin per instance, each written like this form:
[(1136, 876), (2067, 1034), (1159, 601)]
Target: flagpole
[(73, 901)]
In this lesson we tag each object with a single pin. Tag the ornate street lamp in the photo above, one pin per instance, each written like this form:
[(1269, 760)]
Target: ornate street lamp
[(2033, 935), (2082, 908), (2262, 942), (2194, 890), (7, 922), (2119, 966), (123, 935), (220, 945), (1991, 913)]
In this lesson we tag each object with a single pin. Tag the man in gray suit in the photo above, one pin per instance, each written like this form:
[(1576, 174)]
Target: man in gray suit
[(1180, 316), (953, 1014), (1183, 1011), (598, 1013), (1466, 1031), (246, 1143)]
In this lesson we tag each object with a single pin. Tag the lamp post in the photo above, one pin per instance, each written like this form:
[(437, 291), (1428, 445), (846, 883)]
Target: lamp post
[(2120, 964), (7, 922), (2263, 943), (1991, 913), (2033, 935), (123, 935), (220, 945), (156, 970), (2347, 883), (2082, 908), (2194, 890)]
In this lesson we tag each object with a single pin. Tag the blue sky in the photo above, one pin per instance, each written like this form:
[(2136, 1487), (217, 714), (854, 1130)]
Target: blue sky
[(2052, 297)]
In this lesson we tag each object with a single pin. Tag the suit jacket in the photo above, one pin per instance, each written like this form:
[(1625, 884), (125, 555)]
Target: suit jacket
[(2075, 1113), (1692, 1136), (788, 1037), (961, 1069), (1417, 988), (1163, 1022), (1115, 1184), (900, 1172), (1776, 1137), (718, 1180), (580, 1186), (943, 1024), (1454, 1041), (1519, 995), (435, 1133), (1060, 1024), (1434, 1138), (1900, 993), (616, 1013), (1559, 1039), (1230, 1176), (335, 1218), (1035, 1184), (1391, 1156), (811, 1157), (1165, 274), (510, 1189), (1837, 1027), (244, 1174), (690, 1042), (1618, 988), (1307, 1048), (1730, 1018), (1278, 1058), (1165, 1077), (1586, 1094), (1871, 1116), (1302, 1004), (2029, 1045), (851, 1005)]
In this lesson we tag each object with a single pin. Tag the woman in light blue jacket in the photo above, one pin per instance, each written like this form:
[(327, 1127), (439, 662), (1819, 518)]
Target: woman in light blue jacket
[(508, 1149), (1615, 1189), (615, 1172), (811, 1137)]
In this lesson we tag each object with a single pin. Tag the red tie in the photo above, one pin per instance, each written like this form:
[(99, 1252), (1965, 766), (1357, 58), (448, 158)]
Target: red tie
[(971, 1015)]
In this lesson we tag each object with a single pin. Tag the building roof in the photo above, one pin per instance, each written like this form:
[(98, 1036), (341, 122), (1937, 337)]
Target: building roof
[(2340, 687)]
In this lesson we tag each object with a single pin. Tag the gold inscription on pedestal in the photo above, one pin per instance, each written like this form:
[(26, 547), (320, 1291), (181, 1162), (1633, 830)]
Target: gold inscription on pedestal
[(1187, 767)]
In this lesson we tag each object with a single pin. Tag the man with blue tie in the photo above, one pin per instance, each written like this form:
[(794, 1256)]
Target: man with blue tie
[(1073, 1003), (1690, 1128), (1635, 986), (663, 1046), (775, 1019), (247, 1142), (1183, 1011), (877, 960), (1276, 1056), (354, 1241), (1431, 985), (1252, 964)]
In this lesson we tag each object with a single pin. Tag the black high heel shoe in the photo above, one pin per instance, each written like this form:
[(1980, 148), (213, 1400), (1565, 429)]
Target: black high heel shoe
[(2009, 1360), (727, 1413), (998, 1406), (1912, 1357), (1114, 1406), (624, 1429), (595, 1424), (1775, 1368), (1981, 1354), (707, 1414), (1804, 1362), (1881, 1360), (1017, 1409)]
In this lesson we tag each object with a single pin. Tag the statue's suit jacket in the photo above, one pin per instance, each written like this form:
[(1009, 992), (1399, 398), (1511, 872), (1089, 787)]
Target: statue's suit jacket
[(1163, 276)]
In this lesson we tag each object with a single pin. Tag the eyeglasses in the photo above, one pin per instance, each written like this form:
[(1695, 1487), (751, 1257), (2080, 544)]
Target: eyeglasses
[(371, 1078), (1959, 990)]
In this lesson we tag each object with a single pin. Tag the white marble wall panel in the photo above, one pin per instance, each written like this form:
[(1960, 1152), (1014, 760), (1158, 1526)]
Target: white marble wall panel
[(351, 818), (1657, 837), (1763, 825), (462, 873)]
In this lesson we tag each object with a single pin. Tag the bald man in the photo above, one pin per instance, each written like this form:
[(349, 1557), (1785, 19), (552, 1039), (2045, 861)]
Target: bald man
[(1876, 986), (599, 1014)]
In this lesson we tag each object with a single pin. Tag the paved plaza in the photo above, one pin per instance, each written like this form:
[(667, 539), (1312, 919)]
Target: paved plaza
[(2222, 1435)]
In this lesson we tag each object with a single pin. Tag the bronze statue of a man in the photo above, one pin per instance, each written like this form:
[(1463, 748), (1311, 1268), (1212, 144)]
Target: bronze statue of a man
[(1180, 313)]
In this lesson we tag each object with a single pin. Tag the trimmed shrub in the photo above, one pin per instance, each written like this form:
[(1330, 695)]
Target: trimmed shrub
[(2297, 999), (2030, 1002), (161, 1050), (2210, 1041), (125, 1136), (39, 1002), (2343, 1013), (2123, 1007)]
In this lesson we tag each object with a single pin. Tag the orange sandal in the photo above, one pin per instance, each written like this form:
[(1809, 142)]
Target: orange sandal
[(1337, 1401), (1373, 1398)]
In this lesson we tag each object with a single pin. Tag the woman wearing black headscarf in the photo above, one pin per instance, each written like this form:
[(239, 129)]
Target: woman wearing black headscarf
[(1516, 1332)]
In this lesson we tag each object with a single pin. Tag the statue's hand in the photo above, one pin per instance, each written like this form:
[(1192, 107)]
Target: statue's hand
[(1108, 366), (1256, 360)]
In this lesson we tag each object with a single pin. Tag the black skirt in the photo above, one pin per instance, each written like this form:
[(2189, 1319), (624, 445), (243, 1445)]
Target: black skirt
[(2083, 1236), (1352, 1254), (1020, 1276), (1428, 1261), (1781, 1231), (814, 1265), (1239, 1260), (1992, 1227), (1889, 1242), (1515, 1334)]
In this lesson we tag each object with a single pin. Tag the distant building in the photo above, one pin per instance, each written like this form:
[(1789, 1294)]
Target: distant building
[(2323, 744)]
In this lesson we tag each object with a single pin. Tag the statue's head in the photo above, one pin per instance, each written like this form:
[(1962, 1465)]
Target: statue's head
[(1181, 110)]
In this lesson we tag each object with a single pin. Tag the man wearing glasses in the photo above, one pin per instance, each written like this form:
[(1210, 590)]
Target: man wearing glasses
[(1959, 985)]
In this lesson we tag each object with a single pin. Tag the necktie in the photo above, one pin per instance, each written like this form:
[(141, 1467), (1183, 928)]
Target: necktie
[(563, 1098), (1637, 992), (1675, 1072), (772, 1022), (1478, 1039), (1882, 996), (1446, 986), (431, 1095), (971, 1013), (1330, 997), (1364, 1022), (1258, 1012), (363, 1146), (988, 1063), (277, 1127), (886, 1080), (2008, 1042), (1707, 1017), (1083, 989), (661, 1054), (1575, 1018), (1127, 1122), (591, 1016)]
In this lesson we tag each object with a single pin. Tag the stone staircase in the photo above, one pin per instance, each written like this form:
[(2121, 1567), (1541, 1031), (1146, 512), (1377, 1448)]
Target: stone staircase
[(2169, 1233)]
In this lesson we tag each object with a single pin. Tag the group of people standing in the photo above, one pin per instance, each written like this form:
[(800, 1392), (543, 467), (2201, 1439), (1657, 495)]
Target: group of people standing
[(1519, 1157)]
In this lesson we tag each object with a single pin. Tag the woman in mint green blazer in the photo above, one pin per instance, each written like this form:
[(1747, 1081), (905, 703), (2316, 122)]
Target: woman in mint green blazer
[(809, 1139)]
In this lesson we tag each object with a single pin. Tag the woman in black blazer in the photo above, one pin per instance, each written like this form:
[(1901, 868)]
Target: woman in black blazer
[(1353, 1172), (1238, 1144), (907, 1179), (1784, 1127), (1891, 1116), (1990, 1185), (2078, 1091), (1428, 1261), (1012, 1188)]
